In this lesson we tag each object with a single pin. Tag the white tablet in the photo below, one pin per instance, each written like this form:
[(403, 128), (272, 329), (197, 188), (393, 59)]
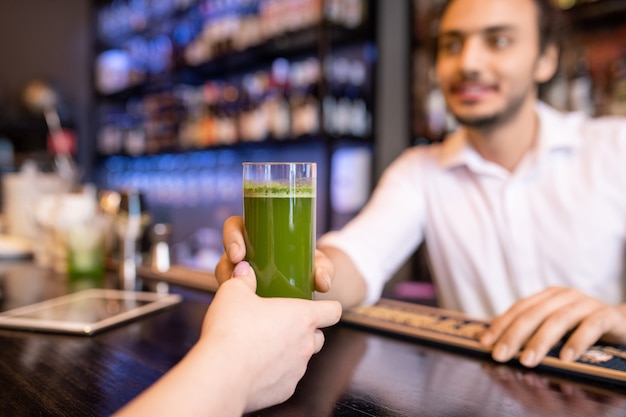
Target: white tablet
[(86, 312)]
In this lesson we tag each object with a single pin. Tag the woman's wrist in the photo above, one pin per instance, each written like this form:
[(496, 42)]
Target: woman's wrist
[(219, 374)]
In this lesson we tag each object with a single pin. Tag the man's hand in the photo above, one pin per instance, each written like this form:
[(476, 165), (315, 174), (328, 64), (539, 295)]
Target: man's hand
[(234, 248), (535, 324), (235, 252)]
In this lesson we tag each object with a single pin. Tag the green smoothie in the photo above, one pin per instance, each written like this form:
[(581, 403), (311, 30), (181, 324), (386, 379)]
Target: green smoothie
[(280, 238)]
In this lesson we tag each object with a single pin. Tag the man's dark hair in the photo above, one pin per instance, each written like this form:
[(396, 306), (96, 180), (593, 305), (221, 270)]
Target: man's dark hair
[(551, 24)]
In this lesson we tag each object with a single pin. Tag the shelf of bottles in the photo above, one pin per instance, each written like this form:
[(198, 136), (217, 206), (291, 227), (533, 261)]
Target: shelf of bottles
[(195, 78), (186, 90), (593, 12), (140, 40), (280, 102), (591, 78)]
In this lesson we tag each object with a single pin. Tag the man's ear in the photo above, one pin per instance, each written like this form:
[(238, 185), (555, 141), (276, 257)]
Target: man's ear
[(547, 64)]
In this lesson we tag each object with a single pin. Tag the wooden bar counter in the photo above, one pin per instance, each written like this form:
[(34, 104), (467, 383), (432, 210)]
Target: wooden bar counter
[(358, 372)]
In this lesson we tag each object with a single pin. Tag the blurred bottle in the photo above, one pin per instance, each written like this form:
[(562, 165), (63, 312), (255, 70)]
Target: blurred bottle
[(277, 102), (348, 13), (304, 76), (131, 222), (160, 250), (581, 86), (616, 86), (556, 92)]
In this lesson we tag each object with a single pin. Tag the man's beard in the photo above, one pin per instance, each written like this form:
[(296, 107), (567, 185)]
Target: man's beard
[(496, 119)]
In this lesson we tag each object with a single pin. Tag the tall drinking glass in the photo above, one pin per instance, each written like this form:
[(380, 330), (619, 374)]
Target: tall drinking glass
[(279, 218)]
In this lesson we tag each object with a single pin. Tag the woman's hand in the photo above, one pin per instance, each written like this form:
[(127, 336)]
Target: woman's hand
[(235, 252), (251, 354), (272, 339)]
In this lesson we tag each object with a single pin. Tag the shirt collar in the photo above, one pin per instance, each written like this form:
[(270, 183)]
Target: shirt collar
[(457, 151), (556, 132)]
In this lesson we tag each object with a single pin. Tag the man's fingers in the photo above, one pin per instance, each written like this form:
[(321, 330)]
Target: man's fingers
[(500, 324), (232, 239), (580, 340), (524, 318), (599, 324), (324, 271), (234, 248), (553, 328), (224, 269)]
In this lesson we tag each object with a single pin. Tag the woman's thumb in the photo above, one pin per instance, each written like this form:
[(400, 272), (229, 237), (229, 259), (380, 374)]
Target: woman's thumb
[(244, 272)]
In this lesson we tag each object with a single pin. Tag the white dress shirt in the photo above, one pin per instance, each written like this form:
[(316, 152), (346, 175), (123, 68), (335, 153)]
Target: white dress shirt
[(496, 236)]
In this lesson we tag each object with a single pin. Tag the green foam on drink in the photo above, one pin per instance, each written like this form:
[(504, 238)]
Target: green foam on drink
[(278, 189)]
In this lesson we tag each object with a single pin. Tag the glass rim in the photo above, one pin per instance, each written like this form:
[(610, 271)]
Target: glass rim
[(279, 163)]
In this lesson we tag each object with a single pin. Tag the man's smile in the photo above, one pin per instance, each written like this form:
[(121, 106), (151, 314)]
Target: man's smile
[(471, 92)]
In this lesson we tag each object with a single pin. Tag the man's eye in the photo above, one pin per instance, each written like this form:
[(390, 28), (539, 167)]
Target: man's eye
[(499, 42), (450, 46)]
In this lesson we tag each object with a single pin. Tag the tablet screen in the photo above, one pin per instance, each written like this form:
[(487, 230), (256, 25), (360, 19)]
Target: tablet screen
[(86, 312)]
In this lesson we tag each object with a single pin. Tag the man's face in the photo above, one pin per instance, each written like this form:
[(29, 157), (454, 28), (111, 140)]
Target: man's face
[(488, 55)]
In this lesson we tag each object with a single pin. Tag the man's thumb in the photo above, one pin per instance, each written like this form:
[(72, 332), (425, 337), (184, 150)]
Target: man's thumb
[(244, 272)]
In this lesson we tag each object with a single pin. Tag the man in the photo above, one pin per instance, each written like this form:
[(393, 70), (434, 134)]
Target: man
[(220, 376), (523, 208)]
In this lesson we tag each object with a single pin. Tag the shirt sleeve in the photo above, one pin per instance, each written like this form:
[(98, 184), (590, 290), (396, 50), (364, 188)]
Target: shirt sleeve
[(606, 139), (390, 226)]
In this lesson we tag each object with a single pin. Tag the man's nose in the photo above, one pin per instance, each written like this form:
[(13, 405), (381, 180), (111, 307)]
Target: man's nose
[(472, 56)]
